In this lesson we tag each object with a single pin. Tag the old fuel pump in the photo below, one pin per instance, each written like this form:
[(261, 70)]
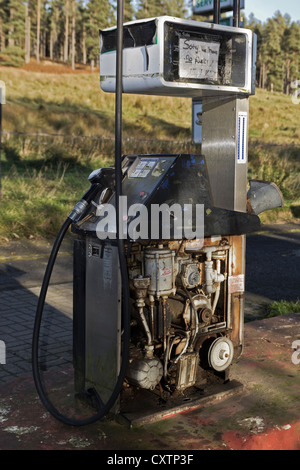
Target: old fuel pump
[(183, 294)]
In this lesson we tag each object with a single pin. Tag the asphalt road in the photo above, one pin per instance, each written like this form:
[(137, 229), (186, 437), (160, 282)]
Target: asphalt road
[(273, 262)]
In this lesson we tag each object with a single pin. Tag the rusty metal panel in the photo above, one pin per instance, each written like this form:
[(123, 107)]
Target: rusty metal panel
[(236, 290)]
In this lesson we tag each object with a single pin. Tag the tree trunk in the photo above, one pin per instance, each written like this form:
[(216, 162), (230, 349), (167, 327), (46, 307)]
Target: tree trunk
[(38, 28), (260, 72), (288, 77), (51, 45), (73, 34), (2, 38), (56, 48), (66, 45), (264, 75), (11, 41), (84, 45), (27, 35)]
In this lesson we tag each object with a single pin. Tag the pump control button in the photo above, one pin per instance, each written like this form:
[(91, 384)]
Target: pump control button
[(143, 194)]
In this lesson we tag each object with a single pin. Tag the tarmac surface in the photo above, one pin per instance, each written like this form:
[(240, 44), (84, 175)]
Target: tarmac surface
[(264, 415)]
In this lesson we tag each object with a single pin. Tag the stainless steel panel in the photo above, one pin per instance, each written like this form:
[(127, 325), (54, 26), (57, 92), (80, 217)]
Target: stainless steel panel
[(225, 146), (103, 317)]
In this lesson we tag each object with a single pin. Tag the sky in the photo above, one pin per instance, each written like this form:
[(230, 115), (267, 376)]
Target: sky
[(264, 9)]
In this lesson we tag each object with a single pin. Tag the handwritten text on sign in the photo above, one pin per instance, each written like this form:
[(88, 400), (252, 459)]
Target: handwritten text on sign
[(198, 59)]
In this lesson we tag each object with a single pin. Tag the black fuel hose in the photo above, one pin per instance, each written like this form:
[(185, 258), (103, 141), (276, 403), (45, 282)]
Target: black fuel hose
[(103, 409)]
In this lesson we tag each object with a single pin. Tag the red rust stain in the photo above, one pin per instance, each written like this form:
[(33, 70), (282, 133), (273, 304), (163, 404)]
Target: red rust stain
[(199, 421), (275, 439)]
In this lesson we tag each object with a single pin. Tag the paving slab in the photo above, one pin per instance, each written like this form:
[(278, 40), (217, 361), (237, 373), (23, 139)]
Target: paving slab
[(264, 416)]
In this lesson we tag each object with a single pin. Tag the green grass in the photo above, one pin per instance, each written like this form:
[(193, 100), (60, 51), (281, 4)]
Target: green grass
[(43, 177), (35, 201), (283, 307), (74, 104)]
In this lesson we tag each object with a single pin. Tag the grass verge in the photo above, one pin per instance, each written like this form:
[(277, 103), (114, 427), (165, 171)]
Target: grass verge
[(282, 307), (42, 177)]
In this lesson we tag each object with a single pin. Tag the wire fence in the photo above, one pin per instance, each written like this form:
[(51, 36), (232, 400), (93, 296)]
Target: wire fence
[(86, 147), (89, 148), (39, 135)]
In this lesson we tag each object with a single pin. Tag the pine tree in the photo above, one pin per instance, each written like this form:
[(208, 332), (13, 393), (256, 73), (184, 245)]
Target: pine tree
[(128, 11), (82, 21), (291, 49), (56, 20), (273, 39), (3, 20), (13, 28), (150, 8), (100, 16), (257, 27), (177, 8)]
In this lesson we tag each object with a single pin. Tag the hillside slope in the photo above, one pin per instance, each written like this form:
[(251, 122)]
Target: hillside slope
[(75, 123)]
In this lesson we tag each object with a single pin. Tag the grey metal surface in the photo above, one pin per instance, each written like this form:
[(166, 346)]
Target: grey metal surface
[(264, 195), (221, 137), (103, 317)]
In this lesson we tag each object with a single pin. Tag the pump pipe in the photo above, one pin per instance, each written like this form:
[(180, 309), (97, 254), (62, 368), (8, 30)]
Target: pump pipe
[(236, 13), (75, 213), (216, 11)]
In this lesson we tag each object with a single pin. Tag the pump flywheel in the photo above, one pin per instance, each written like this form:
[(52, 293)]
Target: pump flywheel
[(220, 354)]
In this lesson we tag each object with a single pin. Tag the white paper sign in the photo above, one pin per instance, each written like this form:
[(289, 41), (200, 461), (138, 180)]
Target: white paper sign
[(198, 59)]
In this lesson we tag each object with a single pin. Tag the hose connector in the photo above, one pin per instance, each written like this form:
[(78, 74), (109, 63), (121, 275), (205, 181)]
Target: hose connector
[(78, 209), (86, 199)]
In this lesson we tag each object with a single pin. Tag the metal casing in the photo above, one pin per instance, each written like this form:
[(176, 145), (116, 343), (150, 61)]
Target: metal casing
[(174, 57)]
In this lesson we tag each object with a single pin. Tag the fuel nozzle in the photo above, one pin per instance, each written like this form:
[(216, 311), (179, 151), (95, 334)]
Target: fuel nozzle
[(105, 176), (99, 179)]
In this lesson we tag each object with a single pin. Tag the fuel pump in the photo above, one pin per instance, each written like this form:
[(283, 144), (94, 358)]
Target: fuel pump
[(159, 296)]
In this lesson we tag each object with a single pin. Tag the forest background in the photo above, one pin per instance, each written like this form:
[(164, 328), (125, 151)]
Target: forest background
[(68, 31)]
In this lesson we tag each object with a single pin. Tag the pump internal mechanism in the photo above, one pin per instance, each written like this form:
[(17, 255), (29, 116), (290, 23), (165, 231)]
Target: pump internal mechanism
[(179, 313), (186, 294)]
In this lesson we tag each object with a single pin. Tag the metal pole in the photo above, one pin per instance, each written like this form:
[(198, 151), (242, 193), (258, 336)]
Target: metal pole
[(0, 136), (236, 13), (118, 177), (216, 11), (118, 102)]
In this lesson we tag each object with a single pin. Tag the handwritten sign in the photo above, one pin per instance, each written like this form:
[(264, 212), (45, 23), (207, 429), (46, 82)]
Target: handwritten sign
[(198, 59)]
